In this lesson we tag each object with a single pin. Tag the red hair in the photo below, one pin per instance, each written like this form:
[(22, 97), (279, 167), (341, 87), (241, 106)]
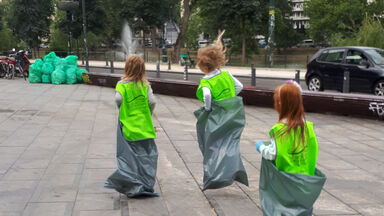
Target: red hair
[(289, 104)]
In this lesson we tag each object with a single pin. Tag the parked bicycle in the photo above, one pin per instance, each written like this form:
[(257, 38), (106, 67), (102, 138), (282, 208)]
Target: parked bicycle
[(7, 70), (16, 64)]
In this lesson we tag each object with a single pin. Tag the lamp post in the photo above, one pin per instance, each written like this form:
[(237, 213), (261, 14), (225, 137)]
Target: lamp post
[(68, 6), (164, 50), (85, 36), (271, 32)]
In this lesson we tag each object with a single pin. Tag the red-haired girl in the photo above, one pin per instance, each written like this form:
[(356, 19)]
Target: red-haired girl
[(293, 145), (291, 183)]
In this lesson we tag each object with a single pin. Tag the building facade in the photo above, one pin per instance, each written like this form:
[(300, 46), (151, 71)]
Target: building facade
[(299, 20)]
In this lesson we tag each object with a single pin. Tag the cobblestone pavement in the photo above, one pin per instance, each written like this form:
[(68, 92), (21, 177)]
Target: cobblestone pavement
[(57, 146)]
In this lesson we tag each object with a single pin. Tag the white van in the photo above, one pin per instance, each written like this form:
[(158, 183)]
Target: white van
[(203, 43), (306, 43)]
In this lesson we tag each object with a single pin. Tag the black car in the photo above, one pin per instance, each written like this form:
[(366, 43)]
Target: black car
[(326, 68)]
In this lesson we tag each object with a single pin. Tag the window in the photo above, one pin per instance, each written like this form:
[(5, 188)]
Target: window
[(354, 57), (323, 56), (335, 56), (377, 55)]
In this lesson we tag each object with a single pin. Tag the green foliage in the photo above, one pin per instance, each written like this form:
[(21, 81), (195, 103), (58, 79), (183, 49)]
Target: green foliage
[(59, 41), (370, 34), (239, 19), (8, 41), (30, 21), (93, 41), (328, 17), (285, 35), (195, 28)]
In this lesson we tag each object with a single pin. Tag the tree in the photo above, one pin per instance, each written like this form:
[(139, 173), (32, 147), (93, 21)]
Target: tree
[(239, 17), (96, 19), (328, 17), (187, 7), (30, 20), (370, 34), (7, 41)]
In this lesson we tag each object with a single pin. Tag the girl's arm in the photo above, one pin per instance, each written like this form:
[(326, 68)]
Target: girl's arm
[(118, 99), (238, 84), (267, 151), (207, 98), (151, 99)]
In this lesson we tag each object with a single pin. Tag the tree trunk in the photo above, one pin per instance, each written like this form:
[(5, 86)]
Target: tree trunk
[(243, 35), (184, 25), (153, 38)]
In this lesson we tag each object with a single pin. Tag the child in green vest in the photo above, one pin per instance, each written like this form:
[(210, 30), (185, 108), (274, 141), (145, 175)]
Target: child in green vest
[(216, 84), (291, 183), (136, 148), (293, 145), (221, 121)]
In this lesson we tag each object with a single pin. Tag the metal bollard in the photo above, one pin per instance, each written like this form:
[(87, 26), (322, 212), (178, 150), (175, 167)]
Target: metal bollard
[(297, 76), (186, 72), (253, 75), (112, 68), (169, 64), (82, 60), (346, 82), (158, 69)]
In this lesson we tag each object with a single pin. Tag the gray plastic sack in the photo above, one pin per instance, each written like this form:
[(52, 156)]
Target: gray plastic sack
[(218, 134), (136, 166), (288, 194)]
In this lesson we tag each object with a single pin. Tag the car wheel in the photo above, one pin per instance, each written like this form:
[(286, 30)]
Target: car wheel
[(315, 83), (379, 88)]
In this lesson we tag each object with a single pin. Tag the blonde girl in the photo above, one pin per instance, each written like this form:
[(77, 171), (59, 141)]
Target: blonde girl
[(136, 148)]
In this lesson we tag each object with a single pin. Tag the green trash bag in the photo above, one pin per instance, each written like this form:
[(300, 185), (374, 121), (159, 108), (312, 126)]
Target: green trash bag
[(50, 57), (283, 193), (218, 134), (46, 78), (79, 74), (34, 78), (37, 67), (59, 62), (71, 75), (47, 68), (71, 60), (58, 76), (136, 166)]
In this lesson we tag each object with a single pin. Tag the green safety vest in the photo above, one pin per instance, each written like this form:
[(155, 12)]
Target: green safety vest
[(302, 161), (135, 114), (221, 86)]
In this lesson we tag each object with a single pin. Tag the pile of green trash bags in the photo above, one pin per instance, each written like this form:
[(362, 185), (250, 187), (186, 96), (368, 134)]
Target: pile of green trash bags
[(56, 70)]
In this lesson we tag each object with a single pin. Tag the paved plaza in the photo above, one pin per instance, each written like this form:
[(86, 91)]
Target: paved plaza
[(57, 147)]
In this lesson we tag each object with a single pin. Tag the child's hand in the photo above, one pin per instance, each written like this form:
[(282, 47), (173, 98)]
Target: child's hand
[(258, 144)]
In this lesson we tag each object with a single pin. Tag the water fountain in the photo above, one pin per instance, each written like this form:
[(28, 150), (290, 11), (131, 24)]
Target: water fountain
[(128, 44)]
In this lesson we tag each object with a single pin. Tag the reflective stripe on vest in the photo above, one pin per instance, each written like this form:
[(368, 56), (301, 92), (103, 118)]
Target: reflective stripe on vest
[(302, 160), (221, 87), (135, 114)]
